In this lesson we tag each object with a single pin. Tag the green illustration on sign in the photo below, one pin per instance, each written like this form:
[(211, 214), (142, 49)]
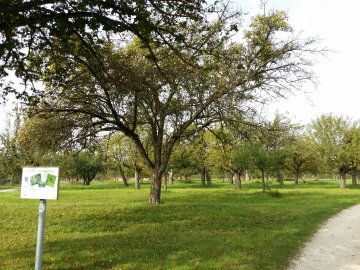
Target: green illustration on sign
[(35, 179), (50, 180)]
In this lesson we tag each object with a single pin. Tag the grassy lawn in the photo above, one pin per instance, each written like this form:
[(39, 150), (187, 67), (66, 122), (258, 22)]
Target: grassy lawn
[(107, 226)]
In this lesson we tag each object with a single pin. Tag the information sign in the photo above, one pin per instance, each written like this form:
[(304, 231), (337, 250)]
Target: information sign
[(40, 183)]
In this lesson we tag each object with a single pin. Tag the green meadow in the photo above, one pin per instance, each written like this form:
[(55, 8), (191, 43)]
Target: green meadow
[(108, 226)]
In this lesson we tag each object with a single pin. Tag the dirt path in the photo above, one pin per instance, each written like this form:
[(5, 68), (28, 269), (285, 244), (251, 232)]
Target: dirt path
[(9, 189), (336, 246)]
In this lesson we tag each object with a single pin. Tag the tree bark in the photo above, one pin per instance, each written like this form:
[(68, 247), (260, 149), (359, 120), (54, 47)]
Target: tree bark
[(342, 180), (237, 180), (137, 178), (280, 177), (207, 177), (296, 178), (231, 178), (123, 176), (353, 177), (203, 176), (263, 179), (155, 190), (165, 181)]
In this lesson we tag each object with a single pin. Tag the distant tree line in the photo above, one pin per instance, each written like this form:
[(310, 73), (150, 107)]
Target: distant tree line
[(275, 150)]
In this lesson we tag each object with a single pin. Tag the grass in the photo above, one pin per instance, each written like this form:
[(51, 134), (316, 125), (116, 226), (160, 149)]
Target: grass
[(8, 186), (107, 226)]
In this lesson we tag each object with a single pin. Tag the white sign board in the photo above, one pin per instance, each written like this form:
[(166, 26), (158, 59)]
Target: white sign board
[(40, 183)]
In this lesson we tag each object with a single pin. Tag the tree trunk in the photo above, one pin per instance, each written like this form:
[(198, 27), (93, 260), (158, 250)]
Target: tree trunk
[(247, 176), (237, 180), (353, 177), (342, 180), (123, 176), (263, 179), (165, 181), (296, 178), (231, 178), (280, 178), (303, 179), (171, 176), (203, 176), (267, 180), (155, 190), (207, 177), (137, 178), (316, 178)]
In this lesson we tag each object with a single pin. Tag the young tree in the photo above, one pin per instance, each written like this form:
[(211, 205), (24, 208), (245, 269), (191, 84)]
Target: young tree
[(302, 156), (87, 165)]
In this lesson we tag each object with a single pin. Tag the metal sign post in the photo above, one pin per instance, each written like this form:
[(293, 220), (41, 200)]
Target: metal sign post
[(40, 235)]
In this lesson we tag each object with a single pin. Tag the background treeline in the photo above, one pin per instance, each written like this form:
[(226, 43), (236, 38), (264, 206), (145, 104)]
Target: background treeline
[(275, 150)]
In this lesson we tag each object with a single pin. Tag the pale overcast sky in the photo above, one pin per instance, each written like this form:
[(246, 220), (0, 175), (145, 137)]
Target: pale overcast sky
[(337, 24)]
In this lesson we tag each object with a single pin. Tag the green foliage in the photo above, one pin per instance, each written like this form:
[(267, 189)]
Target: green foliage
[(85, 165), (337, 140)]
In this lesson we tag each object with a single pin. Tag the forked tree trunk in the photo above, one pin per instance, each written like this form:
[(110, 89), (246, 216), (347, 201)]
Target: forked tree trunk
[(342, 180), (137, 178)]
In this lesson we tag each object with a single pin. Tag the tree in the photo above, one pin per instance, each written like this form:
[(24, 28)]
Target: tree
[(182, 160), (11, 160), (242, 162), (302, 156), (200, 148), (87, 165), (336, 140), (261, 159), (117, 88)]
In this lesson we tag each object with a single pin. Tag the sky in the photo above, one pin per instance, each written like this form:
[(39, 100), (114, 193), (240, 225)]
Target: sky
[(336, 24)]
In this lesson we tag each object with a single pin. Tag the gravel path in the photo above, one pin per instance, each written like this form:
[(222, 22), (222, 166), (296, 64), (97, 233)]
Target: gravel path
[(336, 246), (9, 189)]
